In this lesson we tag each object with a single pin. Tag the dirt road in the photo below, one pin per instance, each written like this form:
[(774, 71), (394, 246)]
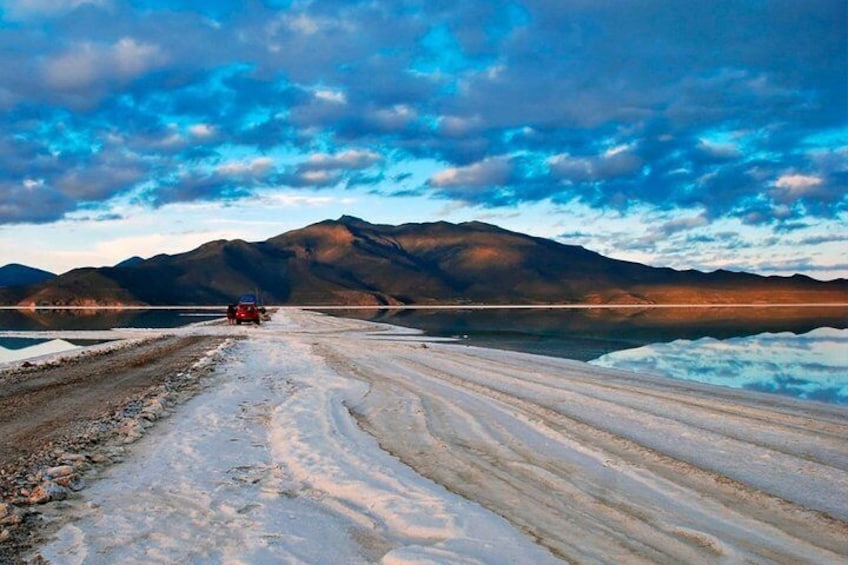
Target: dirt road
[(71, 405), (366, 434)]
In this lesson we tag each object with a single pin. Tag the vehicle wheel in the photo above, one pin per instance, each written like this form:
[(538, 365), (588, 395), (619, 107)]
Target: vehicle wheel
[(238, 322)]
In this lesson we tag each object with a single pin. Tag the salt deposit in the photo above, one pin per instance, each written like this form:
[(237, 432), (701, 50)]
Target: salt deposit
[(324, 440)]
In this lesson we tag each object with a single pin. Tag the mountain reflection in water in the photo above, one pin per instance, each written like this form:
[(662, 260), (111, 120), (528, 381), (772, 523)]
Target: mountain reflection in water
[(22, 319), (798, 351)]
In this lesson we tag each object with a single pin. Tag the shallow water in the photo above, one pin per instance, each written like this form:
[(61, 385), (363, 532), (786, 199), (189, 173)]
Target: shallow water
[(813, 366), (101, 319), (795, 351), (19, 348)]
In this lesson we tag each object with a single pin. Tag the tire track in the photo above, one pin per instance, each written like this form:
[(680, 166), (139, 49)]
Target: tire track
[(593, 486), (48, 405)]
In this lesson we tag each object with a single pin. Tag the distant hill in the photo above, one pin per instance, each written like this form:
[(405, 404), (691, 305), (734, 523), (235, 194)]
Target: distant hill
[(15, 274), (131, 262), (352, 262)]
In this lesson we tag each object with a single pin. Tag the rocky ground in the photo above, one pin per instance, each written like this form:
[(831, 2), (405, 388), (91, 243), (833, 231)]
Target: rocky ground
[(61, 420)]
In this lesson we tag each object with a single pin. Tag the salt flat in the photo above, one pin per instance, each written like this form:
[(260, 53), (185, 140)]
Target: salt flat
[(326, 440)]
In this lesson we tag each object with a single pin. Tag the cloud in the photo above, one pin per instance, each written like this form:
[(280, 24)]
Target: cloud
[(333, 96), (718, 151), (26, 9), (722, 111), (350, 159), (826, 238), (255, 168), (492, 172), (682, 224), (618, 161), (32, 201), (82, 73), (459, 126), (202, 131), (791, 187), (326, 169)]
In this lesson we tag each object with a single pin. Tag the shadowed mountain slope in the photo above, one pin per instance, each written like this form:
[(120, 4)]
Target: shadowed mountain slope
[(352, 262), (15, 274)]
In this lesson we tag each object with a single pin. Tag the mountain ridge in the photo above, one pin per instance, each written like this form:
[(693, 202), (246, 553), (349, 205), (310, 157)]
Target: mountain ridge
[(15, 274), (350, 261)]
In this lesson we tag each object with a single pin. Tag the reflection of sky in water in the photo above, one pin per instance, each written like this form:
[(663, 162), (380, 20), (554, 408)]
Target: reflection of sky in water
[(812, 366), (37, 347)]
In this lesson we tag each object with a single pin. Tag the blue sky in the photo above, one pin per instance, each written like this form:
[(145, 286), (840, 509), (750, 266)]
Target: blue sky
[(705, 134)]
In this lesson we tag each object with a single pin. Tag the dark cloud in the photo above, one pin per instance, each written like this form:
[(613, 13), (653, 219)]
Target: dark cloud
[(323, 170), (721, 108), (33, 202)]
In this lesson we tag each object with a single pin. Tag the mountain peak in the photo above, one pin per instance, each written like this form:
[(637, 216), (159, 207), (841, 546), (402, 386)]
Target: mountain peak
[(353, 221), (131, 262), (15, 274), (350, 261)]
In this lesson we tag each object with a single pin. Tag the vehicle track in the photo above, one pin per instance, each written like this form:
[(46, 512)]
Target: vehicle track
[(42, 406), (464, 410)]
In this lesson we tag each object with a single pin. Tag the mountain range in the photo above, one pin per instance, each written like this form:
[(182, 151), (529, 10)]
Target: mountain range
[(15, 274), (352, 262)]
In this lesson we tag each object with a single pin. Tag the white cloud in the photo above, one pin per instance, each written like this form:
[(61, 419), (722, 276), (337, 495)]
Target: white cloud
[(320, 177), (617, 150), (25, 9), (798, 184), (456, 126), (790, 187), (395, 117), (303, 24), (202, 130), (295, 200), (76, 68), (132, 58), (724, 151), (618, 161), (333, 96), (256, 167), (488, 172), (351, 159), (86, 64)]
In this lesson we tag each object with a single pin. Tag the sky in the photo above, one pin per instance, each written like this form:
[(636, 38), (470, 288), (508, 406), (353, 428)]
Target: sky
[(704, 135)]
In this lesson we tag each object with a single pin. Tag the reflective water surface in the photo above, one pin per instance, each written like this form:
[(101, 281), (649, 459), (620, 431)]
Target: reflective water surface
[(797, 351), (101, 319), (17, 348), (813, 365)]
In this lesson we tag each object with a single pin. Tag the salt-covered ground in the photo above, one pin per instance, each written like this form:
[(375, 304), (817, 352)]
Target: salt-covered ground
[(324, 440)]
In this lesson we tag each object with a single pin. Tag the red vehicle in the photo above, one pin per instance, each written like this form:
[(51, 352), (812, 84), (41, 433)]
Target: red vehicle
[(247, 310)]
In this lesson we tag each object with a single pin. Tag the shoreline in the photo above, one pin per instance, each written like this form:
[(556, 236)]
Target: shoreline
[(634, 466), (314, 307)]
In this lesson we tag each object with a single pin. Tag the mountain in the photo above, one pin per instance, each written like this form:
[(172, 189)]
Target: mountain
[(352, 262), (15, 274), (131, 262)]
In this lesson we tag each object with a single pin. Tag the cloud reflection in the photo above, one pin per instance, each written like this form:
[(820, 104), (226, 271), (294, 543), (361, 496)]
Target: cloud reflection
[(813, 366)]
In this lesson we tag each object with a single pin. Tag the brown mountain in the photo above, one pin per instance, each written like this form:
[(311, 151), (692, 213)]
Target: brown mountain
[(352, 262)]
